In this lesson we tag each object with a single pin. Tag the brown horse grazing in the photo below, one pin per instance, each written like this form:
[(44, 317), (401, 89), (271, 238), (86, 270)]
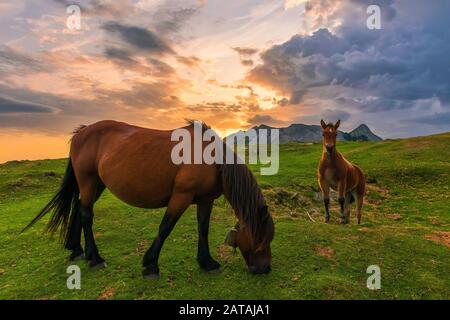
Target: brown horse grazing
[(135, 165), (341, 175)]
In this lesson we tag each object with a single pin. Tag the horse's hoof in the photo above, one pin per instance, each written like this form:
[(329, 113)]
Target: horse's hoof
[(212, 268), (210, 265), (81, 256), (213, 271), (150, 274), (97, 264)]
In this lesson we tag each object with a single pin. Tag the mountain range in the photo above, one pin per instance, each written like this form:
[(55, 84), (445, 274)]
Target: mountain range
[(313, 133)]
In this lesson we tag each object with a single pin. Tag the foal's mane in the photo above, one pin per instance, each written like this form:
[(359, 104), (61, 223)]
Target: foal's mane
[(245, 196)]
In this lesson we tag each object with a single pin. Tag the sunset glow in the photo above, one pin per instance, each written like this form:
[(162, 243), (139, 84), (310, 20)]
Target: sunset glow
[(231, 64)]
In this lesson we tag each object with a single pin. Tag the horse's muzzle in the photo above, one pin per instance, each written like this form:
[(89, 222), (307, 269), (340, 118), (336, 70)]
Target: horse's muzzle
[(259, 269)]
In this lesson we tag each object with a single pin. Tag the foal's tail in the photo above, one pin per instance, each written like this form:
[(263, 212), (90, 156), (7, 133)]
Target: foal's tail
[(63, 205)]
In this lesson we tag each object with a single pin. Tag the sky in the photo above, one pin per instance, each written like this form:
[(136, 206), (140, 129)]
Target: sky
[(233, 64)]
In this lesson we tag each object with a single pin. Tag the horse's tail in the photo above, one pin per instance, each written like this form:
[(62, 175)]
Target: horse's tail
[(63, 205)]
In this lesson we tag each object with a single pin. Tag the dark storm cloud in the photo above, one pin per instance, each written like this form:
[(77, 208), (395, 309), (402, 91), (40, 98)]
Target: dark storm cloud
[(12, 106), (138, 37), (392, 68)]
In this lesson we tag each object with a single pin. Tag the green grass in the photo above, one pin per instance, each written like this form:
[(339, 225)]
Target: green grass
[(405, 221)]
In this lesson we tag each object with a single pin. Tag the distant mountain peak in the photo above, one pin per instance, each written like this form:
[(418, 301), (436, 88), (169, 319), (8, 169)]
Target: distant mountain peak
[(298, 132), (362, 132)]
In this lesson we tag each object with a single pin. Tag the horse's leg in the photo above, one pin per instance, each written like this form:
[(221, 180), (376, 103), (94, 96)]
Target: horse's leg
[(74, 234), (73, 242), (204, 258), (90, 189), (326, 198), (178, 203)]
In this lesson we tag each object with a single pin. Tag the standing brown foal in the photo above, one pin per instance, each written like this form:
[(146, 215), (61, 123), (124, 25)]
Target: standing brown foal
[(339, 174)]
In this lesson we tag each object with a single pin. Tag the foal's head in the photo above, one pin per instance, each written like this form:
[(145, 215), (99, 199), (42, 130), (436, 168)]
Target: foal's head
[(329, 133)]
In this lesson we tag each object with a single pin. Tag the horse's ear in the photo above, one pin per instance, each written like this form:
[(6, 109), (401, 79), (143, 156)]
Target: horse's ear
[(231, 238), (338, 123), (323, 124)]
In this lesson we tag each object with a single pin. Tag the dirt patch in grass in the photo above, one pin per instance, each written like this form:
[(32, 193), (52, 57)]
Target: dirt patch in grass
[(365, 229), (418, 145), (375, 195), (293, 201), (435, 221), (225, 253), (142, 246), (441, 237), (394, 216), (325, 252), (107, 293)]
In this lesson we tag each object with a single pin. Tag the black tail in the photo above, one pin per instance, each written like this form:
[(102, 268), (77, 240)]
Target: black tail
[(64, 205)]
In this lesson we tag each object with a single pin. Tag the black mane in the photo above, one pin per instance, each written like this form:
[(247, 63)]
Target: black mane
[(245, 196)]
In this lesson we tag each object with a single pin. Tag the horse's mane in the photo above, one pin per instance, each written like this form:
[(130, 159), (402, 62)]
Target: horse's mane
[(192, 122), (242, 191), (78, 129)]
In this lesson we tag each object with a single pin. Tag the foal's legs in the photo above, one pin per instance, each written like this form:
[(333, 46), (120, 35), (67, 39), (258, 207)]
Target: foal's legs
[(359, 204), (326, 198), (204, 258), (342, 185), (177, 205), (90, 190), (348, 199)]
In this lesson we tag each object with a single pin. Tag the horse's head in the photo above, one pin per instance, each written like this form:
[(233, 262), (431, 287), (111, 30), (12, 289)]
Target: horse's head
[(329, 133), (254, 242)]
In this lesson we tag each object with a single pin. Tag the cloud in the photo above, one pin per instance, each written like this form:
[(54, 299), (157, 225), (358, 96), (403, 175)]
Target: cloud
[(383, 70), (437, 119), (103, 8), (12, 106), (332, 115), (171, 20), (14, 60), (138, 37), (259, 119), (245, 51), (118, 53), (191, 61), (245, 55)]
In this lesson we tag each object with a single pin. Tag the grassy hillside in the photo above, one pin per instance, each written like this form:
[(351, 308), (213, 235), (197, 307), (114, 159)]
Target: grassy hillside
[(405, 230)]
